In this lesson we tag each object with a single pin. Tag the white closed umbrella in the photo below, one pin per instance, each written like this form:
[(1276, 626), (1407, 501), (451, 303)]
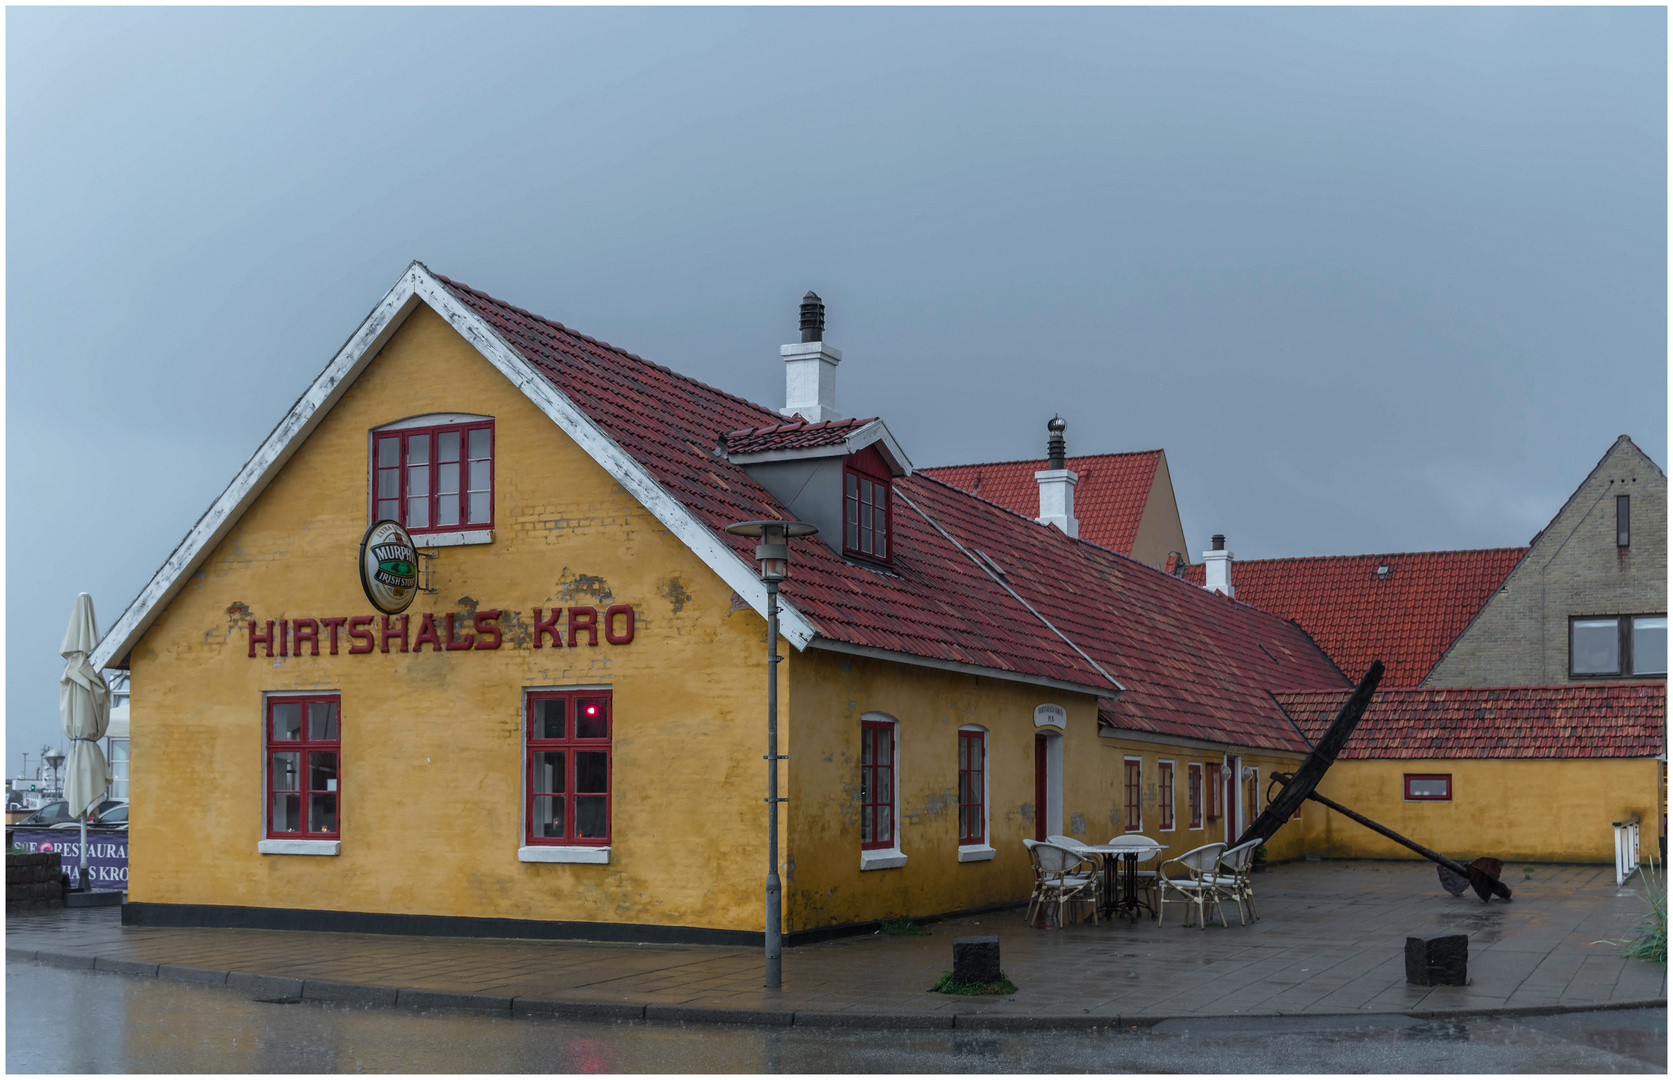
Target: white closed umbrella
[(84, 708)]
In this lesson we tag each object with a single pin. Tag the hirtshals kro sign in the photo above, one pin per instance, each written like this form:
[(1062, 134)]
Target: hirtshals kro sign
[(389, 567)]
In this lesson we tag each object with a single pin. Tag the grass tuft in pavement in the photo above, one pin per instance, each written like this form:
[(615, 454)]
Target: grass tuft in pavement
[(901, 927), (950, 985)]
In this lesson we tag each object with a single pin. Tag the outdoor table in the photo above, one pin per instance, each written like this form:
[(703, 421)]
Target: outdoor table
[(1126, 899)]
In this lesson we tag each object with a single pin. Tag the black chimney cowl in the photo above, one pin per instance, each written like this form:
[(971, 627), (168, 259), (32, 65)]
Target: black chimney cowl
[(813, 317), (1219, 542), (1055, 447)]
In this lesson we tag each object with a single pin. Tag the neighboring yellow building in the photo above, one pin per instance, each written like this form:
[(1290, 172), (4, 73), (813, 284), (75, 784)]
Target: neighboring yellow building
[(563, 735), (1523, 773)]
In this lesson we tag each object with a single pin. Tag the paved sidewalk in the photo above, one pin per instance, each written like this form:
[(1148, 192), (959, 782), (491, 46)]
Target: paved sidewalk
[(1330, 942)]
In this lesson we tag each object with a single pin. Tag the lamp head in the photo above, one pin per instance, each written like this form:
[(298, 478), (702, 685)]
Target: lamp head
[(773, 552)]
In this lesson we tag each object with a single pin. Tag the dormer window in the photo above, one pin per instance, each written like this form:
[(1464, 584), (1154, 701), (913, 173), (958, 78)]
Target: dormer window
[(865, 505), (435, 474)]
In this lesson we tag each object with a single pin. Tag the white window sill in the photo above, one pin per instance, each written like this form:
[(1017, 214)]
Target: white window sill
[(545, 853), (299, 847), (975, 853), (882, 859), (452, 539)]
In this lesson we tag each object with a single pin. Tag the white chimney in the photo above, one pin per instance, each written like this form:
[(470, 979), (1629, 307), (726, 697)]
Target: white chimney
[(1057, 484), (810, 368), (1217, 568)]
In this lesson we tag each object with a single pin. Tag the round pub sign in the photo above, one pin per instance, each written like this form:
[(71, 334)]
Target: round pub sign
[(389, 567)]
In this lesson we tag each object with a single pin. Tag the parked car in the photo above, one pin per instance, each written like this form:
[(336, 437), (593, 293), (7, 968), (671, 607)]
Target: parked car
[(56, 815)]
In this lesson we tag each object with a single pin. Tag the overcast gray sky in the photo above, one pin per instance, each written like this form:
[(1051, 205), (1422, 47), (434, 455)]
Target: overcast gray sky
[(1376, 279)]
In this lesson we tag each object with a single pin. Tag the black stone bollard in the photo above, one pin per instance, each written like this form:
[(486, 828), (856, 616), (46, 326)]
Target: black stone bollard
[(1437, 960), (976, 959)]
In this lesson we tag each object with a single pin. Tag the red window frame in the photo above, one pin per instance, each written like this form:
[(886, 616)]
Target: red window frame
[(1135, 777), (308, 746), (878, 767), (865, 497), (1211, 789), (972, 775), (1164, 795), (392, 484), (1406, 785), (1193, 789), (539, 782)]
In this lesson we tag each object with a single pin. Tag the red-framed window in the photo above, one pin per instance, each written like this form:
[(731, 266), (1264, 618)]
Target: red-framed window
[(1211, 791), (1429, 787), (1164, 795), (304, 767), (567, 779), (972, 778), (1135, 776), (435, 479), (877, 784), (867, 529), (1193, 789)]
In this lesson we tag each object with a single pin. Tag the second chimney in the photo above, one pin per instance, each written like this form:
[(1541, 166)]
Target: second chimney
[(1217, 567), (1057, 483), (810, 368)]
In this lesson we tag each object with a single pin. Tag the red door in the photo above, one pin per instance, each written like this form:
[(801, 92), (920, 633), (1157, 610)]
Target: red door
[(1039, 787)]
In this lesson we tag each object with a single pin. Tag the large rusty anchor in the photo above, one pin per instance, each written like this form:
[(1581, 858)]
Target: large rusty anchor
[(1482, 875)]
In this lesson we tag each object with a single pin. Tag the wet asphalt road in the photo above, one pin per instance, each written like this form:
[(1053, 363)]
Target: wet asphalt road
[(129, 1024)]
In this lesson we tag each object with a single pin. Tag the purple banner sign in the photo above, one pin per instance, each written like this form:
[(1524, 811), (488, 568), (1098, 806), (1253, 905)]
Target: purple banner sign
[(107, 853)]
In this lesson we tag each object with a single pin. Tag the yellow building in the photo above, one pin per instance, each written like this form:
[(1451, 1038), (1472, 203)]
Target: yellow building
[(563, 735)]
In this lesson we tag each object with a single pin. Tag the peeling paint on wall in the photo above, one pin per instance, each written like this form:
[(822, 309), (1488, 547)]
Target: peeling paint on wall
[(673, 590), (571, 586), (1077, 824)]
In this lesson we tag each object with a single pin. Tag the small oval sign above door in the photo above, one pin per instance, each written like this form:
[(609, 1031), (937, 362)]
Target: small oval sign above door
[(1051, 716)]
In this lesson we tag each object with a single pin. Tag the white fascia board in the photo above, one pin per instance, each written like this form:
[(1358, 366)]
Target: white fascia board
[(878, 432), (418, 285), (874, 653), (857, 440)]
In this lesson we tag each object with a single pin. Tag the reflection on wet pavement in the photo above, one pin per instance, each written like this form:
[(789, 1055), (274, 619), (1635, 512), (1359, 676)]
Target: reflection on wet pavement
[(60, 1020)]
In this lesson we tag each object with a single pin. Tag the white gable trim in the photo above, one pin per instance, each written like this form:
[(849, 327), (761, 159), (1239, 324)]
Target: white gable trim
[(861, 437), (418, 285)]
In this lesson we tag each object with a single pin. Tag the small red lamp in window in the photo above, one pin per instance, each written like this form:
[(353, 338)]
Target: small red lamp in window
[(773, 553)]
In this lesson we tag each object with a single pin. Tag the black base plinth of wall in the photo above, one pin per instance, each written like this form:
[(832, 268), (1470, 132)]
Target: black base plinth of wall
[(1437, 960), (976, 959)]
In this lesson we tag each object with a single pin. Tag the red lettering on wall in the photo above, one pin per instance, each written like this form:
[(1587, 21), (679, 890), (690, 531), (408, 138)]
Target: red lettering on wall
[(547, 626), (265, 639), (583, 618), (427, 632), (487, 630), (306, 630), (454, 645), (284, 638), (401, 633), (610, 615), (331, 626), (359, 630)]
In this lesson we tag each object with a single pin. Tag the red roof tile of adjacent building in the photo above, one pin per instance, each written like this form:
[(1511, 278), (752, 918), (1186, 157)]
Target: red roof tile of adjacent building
[(1406, 616), (1192, 663), (1110, 493), (1616, 720), (798, 434)]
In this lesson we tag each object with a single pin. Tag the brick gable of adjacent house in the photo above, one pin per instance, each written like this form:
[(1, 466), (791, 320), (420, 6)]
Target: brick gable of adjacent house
[(1573, 568)]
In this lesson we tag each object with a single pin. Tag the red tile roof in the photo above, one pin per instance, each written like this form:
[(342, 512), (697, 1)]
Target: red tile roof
[(1617, 720), (1406, 618), (798, 434), (1110, 494), (1192, 663)]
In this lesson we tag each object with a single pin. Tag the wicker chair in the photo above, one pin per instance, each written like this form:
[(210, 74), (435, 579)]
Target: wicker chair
[(1196, 886), (1231, 879), (1061, 876)]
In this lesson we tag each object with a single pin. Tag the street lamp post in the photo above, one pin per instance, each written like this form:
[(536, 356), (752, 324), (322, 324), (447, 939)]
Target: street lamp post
[(773, 554)]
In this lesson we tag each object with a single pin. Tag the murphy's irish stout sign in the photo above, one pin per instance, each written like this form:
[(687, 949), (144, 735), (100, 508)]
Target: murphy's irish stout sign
[(389, 567)]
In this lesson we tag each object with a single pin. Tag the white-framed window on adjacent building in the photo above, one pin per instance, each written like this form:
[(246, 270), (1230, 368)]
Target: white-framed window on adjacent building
[(118, 768)]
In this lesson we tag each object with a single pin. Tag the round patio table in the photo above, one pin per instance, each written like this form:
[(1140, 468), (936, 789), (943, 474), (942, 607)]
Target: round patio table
[(1121, 861)]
